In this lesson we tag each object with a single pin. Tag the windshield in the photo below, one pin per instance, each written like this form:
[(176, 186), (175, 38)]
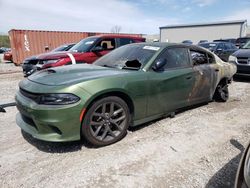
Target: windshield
[(133, 56), (246, 46), (242, 40), (83, 45), (62, 48), (210, 46)]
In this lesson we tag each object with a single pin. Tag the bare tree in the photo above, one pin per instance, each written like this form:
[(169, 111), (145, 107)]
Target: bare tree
[(116, 29)]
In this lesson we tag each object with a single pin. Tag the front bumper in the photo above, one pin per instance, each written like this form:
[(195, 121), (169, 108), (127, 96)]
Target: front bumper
[(243, 66), (243, 70), (56, 123)]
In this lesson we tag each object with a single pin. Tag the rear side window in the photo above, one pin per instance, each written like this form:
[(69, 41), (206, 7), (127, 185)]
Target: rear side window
[(176, 58), (124, 41), (199, 58)]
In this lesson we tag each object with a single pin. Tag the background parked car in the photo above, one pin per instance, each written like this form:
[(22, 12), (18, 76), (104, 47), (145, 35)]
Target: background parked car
[(231, 40), (3, 50), (202, 41), (187, 42), (222, 49), (242, 60), (132, 85), (86, 51), (30, 62), (240, 42), (7, 56)]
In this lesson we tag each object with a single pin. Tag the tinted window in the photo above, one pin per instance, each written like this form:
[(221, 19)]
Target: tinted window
[(211, 46), (233, 46), (124, 41), (220, 46), (175, 57), (198, 58)]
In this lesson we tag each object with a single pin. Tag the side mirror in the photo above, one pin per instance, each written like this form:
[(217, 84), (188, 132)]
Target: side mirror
[(97, 49), (158, 66)]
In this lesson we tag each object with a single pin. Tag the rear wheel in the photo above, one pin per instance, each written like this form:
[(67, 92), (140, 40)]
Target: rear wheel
[(221, 92), (106, 121)]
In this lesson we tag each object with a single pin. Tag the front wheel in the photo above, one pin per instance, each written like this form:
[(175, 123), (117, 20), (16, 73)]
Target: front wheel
[(106, 121), (221, 92)]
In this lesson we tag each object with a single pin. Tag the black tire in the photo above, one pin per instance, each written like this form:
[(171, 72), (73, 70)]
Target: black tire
[(106, 121), (221, 93)]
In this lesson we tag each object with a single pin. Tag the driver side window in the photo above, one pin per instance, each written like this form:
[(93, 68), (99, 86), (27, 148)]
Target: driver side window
[(106, 44), (175, 57)]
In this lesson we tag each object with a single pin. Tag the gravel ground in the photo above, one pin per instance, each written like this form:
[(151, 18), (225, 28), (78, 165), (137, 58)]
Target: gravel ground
[(200, 147)]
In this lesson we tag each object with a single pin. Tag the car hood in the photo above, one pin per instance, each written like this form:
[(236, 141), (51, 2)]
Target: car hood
[(31, 58), (242, 53), (56, 55), (73, 74)]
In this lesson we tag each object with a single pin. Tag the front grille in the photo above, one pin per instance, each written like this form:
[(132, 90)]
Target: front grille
[(243, 60), (32, 96)]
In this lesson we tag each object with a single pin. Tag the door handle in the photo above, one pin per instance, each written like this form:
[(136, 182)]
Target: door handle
[(188, 77)]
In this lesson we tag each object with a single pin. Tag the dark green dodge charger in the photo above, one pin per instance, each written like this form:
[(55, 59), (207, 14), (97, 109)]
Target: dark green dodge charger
[(129, 86)]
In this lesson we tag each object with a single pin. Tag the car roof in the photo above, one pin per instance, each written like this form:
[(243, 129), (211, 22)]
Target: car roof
[(118, 36), (166, 44), (243, 38), (217, 42)]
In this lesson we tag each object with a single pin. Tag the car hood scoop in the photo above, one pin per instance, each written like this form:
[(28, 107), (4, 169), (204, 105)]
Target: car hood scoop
[(72, 74)]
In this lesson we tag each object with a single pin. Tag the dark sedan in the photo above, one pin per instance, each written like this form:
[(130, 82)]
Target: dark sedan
[(242, 57), (222, 49)]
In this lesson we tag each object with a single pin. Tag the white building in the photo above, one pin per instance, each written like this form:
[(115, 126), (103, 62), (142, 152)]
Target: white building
[(208, 31)]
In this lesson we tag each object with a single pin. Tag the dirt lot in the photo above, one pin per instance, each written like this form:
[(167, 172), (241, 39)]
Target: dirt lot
[(200, 147)]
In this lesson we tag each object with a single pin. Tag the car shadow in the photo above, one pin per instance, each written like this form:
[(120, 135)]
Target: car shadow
[(55, 147), (242, 79), (225, 177), (138, 127)]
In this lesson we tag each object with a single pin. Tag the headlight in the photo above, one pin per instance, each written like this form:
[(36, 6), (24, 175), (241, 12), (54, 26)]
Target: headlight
[(232, 59), (50, 61), (58, 99)]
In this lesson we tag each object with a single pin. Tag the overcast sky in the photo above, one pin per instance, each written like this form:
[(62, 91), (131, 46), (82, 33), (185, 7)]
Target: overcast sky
[(134, 16)]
